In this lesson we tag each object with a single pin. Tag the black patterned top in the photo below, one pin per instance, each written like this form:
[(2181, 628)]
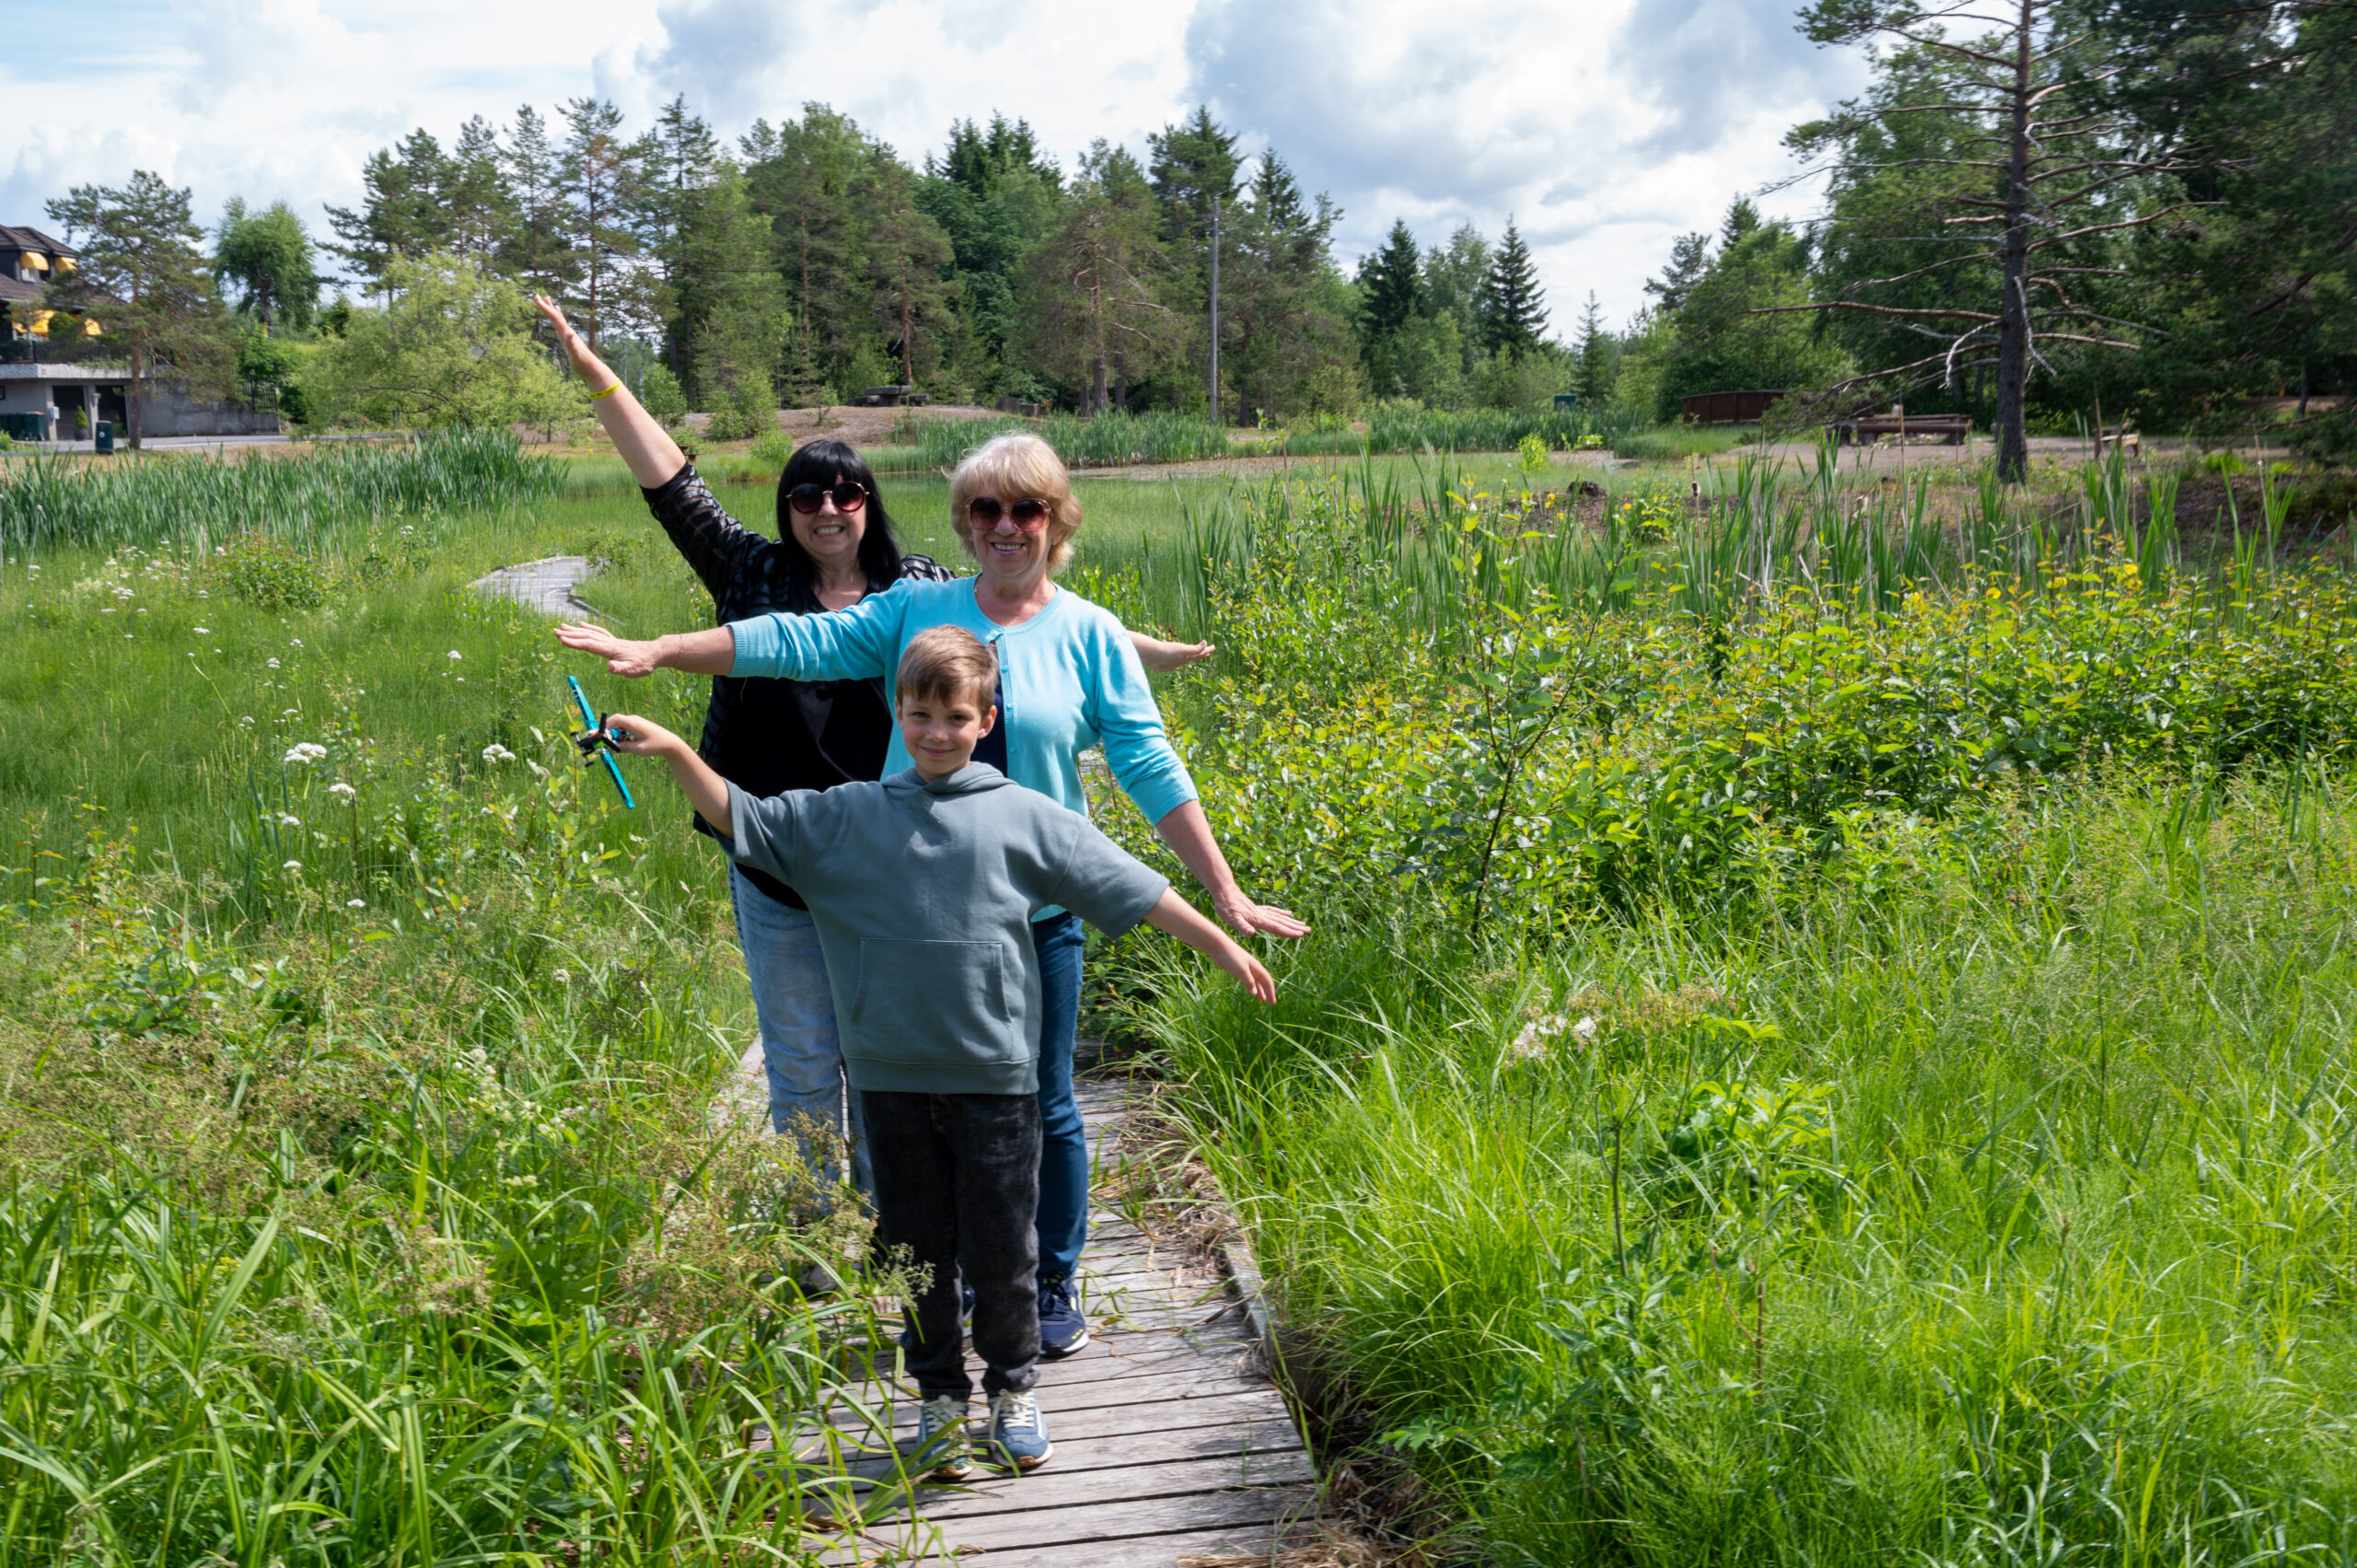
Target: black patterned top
[(768, 736)]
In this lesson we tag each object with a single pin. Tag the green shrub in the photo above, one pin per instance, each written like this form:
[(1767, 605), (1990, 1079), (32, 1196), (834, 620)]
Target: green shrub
[(749, 409), (771, 450), (272, 572), (662, 398)]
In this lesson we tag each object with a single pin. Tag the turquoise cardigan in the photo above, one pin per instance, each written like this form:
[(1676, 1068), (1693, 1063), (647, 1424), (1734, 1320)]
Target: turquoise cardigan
[(1070, 676)]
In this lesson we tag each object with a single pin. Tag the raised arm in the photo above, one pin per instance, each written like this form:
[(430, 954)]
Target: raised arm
[(1176, 917), (646, 446)]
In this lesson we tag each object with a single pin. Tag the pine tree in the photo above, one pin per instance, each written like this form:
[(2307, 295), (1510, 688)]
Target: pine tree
[(908, 262), (398, 213), (144, 278), (536, 248), (809, 183), (1095, 285), (602, 185), (478, 214), (1513, 308)]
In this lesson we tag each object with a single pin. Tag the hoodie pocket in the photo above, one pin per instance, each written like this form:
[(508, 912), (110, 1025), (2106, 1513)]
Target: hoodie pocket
[(935, 1004)]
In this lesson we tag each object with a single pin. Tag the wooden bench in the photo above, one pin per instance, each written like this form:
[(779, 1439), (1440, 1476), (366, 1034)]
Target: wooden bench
[(1954, 429), (2120, 435)]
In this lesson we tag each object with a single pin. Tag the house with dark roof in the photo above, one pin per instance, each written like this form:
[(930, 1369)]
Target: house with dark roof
[(57, 385)]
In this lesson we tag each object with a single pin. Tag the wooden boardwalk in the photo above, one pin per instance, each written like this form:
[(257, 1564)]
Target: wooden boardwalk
[(1171, 1441)]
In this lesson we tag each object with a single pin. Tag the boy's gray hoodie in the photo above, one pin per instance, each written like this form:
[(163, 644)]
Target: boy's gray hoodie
[(923, 894)]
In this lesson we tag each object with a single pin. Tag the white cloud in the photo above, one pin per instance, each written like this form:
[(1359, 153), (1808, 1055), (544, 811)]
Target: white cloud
[(1604, 129)]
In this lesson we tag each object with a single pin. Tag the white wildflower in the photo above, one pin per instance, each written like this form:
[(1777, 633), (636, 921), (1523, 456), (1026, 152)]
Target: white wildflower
[(343, 789), (355, 903), (288, 820), (204, 631), (306, 752), (495, 752), (247, 721), (292, 865), (273, 664), (296, 644), (1531, 1044), (454, 652), (563, 977)]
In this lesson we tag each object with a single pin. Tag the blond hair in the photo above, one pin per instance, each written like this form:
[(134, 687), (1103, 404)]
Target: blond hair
[(1016, 467), (943, 663)]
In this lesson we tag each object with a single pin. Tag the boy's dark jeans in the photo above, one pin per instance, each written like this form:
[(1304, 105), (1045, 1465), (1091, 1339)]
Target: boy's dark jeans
[(958, 1184)]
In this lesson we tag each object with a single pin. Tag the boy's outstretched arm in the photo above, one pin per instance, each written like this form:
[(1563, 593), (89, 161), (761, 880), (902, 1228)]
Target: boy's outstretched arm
[(705, 790), (1176, 916)]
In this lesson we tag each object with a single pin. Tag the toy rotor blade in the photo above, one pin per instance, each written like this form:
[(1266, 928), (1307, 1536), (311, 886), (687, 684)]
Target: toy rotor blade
[(614, 769), (582, 703)]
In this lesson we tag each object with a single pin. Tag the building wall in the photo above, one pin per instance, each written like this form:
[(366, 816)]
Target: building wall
[(169, 413)]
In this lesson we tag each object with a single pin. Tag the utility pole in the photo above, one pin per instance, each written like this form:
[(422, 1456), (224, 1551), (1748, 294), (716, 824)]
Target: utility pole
[(1215, 312)]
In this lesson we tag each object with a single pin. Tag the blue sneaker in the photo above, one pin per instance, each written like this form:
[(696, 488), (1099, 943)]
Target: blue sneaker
[(1062, 1330), (943, 1442), (1018, 1432)]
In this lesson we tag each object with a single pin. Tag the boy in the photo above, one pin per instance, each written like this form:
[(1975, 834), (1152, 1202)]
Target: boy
[(923, 886)]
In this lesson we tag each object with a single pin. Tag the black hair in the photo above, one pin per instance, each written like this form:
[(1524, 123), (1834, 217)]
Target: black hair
[(825, 462)]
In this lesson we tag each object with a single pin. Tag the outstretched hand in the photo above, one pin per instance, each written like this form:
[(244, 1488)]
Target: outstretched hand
[(622, 656), (1247, 918), (638, 736), (1159, 655)]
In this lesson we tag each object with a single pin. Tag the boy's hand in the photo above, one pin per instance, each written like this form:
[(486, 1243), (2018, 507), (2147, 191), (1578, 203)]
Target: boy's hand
[(1247, 967), (641, 738)]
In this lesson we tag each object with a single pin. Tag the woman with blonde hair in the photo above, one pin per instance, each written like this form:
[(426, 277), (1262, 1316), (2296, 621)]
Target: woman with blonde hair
[(1069, 680)]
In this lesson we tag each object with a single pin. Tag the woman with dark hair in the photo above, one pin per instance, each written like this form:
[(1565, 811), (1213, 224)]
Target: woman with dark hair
[(834, 547)]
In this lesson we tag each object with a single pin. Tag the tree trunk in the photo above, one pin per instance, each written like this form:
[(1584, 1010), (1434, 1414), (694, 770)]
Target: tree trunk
[(908, 348), (134, 424), (2013, 328)]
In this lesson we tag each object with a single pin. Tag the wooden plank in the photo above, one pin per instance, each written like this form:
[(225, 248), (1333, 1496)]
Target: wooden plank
[(1048, 1491), (1138, 1552), (1138, 1517)]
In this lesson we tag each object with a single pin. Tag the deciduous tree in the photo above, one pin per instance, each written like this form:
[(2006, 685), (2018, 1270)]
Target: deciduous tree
[(268, 256)]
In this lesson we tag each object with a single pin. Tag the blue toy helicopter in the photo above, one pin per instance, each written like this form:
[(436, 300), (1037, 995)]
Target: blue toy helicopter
[(597, 741)]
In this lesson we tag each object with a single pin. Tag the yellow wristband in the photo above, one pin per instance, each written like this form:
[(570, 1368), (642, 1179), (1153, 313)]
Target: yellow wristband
[(607, 393)]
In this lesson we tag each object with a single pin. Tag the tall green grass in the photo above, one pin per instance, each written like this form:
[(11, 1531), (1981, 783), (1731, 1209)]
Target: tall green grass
[(1108, 440), (149, 501), (1826, 1040), (1999, 1219), (1393, 429)]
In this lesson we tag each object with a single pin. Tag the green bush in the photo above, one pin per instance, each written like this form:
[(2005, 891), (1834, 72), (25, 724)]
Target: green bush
[(750, 409), (662, 398), (771, 450), (272, 572)]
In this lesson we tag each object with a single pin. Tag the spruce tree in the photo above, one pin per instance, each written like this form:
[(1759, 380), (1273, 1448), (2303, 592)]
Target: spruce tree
[(1599, 357), (1390, 288), (1513, 307), (1689, 258)]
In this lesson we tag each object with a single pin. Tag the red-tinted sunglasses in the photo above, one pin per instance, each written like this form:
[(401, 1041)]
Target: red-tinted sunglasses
[(1028, 515), (850, 496)]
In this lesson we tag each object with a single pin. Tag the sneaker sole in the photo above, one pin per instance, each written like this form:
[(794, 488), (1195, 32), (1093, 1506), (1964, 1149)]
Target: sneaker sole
[(1025, 1465), (1048, 1353)]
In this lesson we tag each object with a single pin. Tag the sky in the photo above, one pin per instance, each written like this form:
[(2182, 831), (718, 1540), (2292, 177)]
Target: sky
[(1603, 128)]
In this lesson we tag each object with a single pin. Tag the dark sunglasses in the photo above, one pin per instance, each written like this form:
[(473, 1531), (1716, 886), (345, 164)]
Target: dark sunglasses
[(1028, 514), (850, 496)]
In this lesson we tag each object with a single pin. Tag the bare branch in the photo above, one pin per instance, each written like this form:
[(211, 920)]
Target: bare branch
[(1870, 310)]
